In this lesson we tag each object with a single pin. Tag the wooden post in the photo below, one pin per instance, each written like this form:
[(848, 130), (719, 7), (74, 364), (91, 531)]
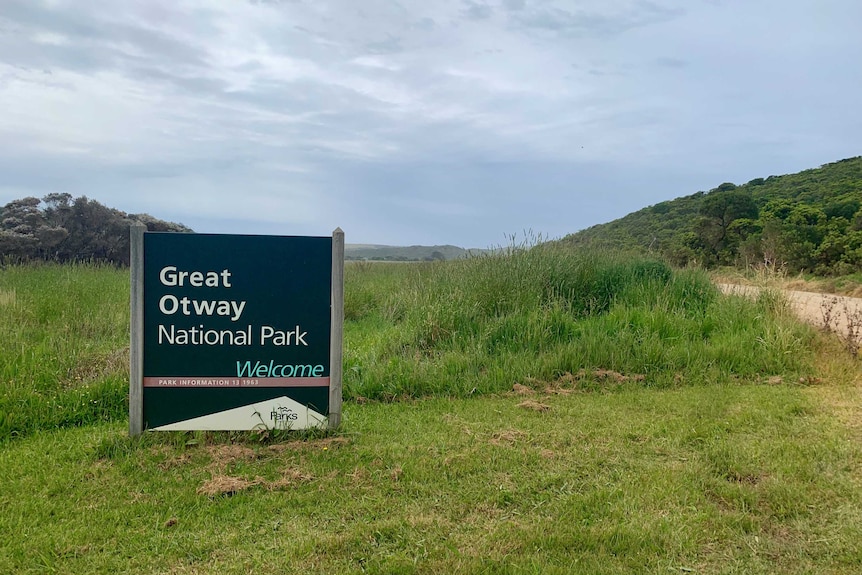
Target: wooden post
[(136, 335), (336, 349)]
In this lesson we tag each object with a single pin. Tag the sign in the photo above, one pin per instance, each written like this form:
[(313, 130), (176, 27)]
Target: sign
[(235, 332)]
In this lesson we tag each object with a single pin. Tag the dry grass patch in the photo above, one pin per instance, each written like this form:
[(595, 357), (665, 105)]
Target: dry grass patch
[(360, 477), (535, 406), (519, 389), (172, 462), (507, 437), (7, 297), (609, 374), (548, 453), (569, 383), (289, 478), (224, 456), (227, 485)]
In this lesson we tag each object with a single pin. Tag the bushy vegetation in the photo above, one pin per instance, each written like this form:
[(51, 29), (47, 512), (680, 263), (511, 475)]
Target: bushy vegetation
[(59, 228), (534, 316), (810, 221), (477, 326)]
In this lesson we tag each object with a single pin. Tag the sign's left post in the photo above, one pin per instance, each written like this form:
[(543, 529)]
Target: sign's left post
[(136, 342)]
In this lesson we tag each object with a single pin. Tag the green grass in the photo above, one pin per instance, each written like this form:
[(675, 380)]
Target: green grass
[(63, 346), (481, 325), (718, 479), (656, 428), (454, 329)]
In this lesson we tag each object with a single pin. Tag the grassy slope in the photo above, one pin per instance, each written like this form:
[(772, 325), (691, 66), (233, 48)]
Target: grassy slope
[(711, 471), (655, 227)]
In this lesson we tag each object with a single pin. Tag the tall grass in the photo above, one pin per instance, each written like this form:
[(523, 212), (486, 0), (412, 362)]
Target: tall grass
[(63, 346), (534, 315), (475, 326)]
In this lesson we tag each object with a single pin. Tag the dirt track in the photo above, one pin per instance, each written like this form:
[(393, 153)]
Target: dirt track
[(811, 306)]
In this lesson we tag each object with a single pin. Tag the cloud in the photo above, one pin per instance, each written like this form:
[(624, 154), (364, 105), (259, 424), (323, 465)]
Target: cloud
[(391, 45), (597, 20), (477, 10), (513, 5), (668, 62), (415, 121)]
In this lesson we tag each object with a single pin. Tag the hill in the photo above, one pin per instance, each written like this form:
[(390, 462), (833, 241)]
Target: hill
[(406, 253), (808, 221)]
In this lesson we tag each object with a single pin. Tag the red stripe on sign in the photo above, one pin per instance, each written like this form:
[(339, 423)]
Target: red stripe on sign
[(236, 382)]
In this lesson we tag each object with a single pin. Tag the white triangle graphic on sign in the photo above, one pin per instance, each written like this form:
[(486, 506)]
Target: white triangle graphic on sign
[(278, 413)]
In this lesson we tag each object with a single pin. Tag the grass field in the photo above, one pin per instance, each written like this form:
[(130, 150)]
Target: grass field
[(532, 412)]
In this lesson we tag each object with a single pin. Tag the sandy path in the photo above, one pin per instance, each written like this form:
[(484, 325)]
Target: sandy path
[(810, 306)]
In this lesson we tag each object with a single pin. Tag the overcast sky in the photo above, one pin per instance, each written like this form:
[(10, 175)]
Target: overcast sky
[(418, 121)]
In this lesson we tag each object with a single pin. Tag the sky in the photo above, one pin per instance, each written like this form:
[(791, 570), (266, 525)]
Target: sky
[(463, 122)]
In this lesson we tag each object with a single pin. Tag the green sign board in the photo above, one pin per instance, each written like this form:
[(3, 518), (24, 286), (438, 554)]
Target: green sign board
[(235, 331)]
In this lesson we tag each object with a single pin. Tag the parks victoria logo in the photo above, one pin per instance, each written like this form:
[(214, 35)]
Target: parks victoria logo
[(236, 331)]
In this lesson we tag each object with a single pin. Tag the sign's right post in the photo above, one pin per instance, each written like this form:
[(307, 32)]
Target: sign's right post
[(336, 349)]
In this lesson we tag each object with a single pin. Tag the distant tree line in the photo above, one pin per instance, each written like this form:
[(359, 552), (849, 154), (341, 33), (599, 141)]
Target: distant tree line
[(434, 257), (61, 228), (810, 221), (415, 253)]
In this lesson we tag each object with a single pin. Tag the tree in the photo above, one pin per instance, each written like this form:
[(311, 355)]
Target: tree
[(61, 228), (718, 211), (842, 208), (26, 233), (22, 216), (792, 234)]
